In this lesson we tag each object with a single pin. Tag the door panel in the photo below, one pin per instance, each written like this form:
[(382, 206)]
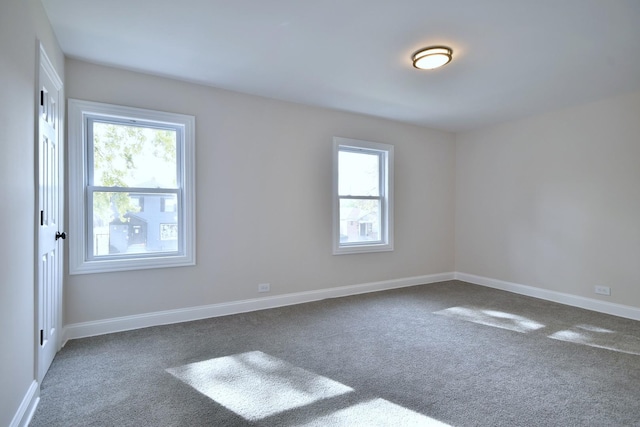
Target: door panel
[(49, 263)]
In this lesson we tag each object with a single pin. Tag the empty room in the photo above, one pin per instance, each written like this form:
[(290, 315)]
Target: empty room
[(355, 213)]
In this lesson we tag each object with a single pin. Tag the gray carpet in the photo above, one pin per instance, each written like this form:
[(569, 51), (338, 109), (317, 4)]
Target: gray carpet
[(442, 354)]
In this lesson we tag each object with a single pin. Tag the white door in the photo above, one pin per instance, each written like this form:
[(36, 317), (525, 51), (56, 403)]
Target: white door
[(49, 216)]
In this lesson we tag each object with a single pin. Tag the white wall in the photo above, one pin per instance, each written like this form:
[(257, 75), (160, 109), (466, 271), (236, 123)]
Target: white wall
[(264, 199), (554, 201), (21, 23)]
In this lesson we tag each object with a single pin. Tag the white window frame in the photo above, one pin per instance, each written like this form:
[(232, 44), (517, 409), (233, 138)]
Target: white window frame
[(80, 261), (385, 151)]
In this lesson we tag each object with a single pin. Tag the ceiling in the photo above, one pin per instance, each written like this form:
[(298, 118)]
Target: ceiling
[(511, 58)]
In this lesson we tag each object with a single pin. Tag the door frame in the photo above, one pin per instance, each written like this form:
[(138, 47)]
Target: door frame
[(44, 64)]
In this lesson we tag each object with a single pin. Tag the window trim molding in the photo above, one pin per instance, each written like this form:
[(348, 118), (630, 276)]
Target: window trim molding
[(387, 156), (78, 110)]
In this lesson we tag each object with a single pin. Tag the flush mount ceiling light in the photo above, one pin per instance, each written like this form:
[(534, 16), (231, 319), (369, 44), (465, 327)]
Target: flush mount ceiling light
[(431, 57)]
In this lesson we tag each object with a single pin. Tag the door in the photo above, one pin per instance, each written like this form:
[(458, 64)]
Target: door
[(49, 216)]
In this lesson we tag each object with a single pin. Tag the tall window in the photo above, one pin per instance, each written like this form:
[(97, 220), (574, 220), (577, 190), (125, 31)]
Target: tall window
[(131, 188), (363, 199)]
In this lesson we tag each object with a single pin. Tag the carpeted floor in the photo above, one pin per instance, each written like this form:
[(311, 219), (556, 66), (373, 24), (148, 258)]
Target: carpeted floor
[(442, 354)]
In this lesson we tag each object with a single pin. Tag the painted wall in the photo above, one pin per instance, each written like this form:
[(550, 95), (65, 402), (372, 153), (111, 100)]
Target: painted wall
[(264, 199), (554, 201), (22, 22)]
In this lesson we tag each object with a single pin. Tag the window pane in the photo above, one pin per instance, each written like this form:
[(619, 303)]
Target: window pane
[(358, 174), (359, 221), (133, 156), (122, 226)]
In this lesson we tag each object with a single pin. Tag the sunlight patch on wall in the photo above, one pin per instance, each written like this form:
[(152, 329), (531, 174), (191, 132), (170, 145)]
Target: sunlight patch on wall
[(376, 412), (495, 318), (594, 336), (255, 385)]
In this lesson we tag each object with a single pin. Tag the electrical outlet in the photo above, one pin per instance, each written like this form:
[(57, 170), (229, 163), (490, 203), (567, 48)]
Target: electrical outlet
[(264, 287), (602, 290)]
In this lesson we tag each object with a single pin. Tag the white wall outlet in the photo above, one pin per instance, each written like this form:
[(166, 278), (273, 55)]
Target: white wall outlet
[(602, 290), (264, 287)]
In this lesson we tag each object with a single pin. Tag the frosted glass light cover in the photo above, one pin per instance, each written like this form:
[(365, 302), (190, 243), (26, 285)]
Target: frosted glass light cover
[(430, 58)]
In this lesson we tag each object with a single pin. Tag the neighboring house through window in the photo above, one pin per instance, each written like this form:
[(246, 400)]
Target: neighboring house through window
[(131, 188), (363, 199)]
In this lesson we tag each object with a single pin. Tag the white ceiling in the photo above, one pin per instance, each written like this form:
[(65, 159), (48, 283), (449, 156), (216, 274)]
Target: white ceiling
[(512, 58)]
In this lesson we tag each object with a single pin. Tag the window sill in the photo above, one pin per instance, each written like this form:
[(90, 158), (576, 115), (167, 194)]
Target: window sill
[(362, 249), (111, 265)]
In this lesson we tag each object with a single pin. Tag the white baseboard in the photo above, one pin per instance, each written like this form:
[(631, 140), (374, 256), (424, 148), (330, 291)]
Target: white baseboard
[(559, 297), (107, 326), (27, 408)]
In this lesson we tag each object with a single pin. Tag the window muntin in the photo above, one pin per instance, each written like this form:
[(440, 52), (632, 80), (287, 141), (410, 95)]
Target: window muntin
[(363, 209), (131, 188)]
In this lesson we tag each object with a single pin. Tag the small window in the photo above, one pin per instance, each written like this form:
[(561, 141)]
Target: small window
[(137, 203), (168, 204), (363, 202), (131, 188)]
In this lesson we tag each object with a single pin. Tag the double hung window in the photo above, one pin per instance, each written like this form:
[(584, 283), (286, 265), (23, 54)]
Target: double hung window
[(363, 202), (131, 188)]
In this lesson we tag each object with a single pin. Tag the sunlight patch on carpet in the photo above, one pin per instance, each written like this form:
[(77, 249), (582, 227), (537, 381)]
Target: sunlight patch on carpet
[(376, 412), (495, 318), (594, 336), (255, 385)]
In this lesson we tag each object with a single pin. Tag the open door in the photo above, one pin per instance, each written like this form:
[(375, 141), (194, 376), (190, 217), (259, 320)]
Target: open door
[(49, 216)]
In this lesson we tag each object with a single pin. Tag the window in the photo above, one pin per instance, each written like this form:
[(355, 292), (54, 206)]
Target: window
[(168, 204), (138, 203), (131, 188), (363, 199)]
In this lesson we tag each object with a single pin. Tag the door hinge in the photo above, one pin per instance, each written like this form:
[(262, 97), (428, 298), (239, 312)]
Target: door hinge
[(41, 336), (42, 98), (41, 217)]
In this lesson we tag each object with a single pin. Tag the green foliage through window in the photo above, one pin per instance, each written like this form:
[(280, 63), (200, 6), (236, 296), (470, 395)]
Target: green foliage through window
[(128, 156)]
